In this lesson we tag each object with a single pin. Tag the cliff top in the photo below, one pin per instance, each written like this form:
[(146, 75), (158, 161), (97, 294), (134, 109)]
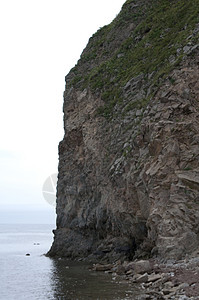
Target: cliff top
[(147, 37)]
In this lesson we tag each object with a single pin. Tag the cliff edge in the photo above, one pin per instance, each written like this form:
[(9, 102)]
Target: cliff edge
[(128, 182)]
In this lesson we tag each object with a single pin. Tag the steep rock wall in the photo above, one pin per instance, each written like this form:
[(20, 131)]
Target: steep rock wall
[(128, 179)]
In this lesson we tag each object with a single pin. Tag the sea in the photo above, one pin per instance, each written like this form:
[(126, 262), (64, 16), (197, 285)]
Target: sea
[(27, 274)]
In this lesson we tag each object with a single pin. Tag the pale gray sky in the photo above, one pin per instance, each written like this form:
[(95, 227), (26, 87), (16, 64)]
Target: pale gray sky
[(41, 40)]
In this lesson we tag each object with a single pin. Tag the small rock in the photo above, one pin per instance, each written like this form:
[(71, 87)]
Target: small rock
[(129, 272), (166, 291), (179, 49), (27, 254), (126, 145), (168, 285), (186, 49), (142, 279), (154, 277), (120, 55), (183, 285), (138, 113), (99, 267), (130, 266), (120, 270), (195, 47), (183, 297), (164, 93)]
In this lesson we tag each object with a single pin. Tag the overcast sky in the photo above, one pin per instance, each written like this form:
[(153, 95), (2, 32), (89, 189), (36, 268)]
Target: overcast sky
[(41, 40)]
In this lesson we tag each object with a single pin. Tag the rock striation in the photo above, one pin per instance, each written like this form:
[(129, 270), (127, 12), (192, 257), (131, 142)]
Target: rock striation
[(128, 182)]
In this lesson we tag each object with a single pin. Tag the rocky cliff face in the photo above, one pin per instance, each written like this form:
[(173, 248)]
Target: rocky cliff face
[(128, 179)]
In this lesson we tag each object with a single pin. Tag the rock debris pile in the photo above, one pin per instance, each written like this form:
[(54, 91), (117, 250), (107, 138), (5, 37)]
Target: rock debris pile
[(177, 280)]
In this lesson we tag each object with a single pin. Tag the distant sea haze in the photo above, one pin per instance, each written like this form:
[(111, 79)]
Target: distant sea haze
[(17, 216)]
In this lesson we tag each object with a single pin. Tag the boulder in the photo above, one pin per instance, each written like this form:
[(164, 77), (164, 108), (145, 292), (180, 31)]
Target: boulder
[(142, 266)]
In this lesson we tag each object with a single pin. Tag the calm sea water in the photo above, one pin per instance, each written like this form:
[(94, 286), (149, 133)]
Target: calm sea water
[(39, 277)]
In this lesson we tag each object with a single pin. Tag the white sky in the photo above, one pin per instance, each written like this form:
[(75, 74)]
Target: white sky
[(40, 41)]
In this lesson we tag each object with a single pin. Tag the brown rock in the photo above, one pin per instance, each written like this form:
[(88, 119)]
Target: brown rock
[(128, 162), (99, 267), (154, 277), (142, 278), (120, 270), (142, 266)]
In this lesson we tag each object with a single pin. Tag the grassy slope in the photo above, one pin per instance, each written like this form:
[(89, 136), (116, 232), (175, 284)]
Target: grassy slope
[(154, 46)]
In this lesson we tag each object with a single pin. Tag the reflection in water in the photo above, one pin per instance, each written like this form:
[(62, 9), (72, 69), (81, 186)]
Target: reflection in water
[(74, 281), (37, 277)]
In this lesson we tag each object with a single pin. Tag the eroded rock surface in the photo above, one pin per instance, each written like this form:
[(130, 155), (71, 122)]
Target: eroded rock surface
[(128, 185)]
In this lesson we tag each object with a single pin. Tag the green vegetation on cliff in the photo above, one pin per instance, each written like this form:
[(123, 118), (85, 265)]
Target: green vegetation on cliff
[(147, 37), (132, 182)]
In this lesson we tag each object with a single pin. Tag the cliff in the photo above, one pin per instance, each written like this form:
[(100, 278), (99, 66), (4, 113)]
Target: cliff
[(128, 180)]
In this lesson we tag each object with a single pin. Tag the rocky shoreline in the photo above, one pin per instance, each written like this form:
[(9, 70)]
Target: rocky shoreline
[(128, 175), (173, 279)]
